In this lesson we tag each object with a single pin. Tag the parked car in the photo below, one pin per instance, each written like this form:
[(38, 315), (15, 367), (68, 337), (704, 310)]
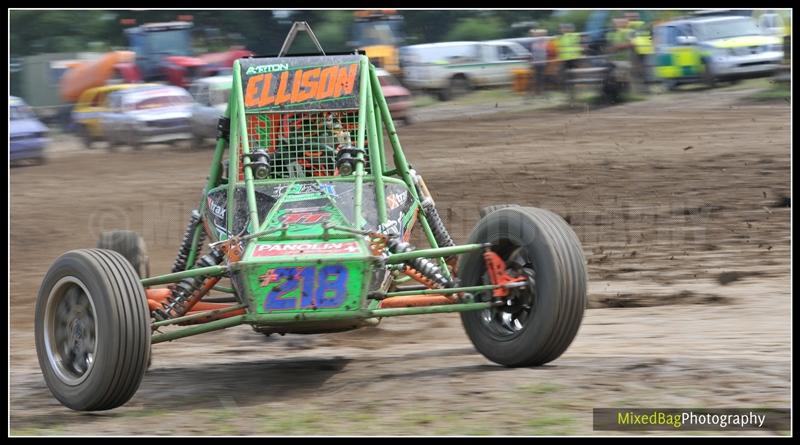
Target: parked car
[(210, 99), (451, 68), (28, 136), (773, 24), (397, 96), (91, 105), (712, 48), (147, 115)]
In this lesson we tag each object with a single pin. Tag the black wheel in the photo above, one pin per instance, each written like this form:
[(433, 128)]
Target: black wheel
[(708, 75), (130, 245), (86, 136), (538, 321), (92, 330), (489, 209), (670, 84), (613, 89), (40, 160), (444, 94), (198, 141), (459, 86)]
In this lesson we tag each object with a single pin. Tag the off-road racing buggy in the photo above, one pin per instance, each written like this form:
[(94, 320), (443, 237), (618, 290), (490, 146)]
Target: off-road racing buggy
[(305, 223)]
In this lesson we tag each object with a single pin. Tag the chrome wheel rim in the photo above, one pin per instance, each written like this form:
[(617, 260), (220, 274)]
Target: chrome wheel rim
[(70, 330)]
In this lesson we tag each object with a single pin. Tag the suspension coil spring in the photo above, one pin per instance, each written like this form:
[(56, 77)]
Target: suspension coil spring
[(186, 243), (424, 266), (418, 277), (440, 233), (182, 291)]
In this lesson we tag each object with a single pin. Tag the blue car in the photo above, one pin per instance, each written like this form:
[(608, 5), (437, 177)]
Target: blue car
[(28, 136)]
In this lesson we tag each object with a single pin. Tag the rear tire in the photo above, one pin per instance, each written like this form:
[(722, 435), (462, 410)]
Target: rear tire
[(489, 209), (131, 246), (92, 330), (541, 246)]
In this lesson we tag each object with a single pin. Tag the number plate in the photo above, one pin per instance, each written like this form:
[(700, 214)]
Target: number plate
[(307, 287)]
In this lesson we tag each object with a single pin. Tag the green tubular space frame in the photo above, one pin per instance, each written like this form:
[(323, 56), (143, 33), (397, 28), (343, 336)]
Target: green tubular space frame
[(374, 123)]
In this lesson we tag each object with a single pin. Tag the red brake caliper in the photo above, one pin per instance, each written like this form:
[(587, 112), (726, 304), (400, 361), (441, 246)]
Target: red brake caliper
[(498, 275)]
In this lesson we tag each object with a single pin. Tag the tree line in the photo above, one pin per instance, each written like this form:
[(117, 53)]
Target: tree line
[(262, 31)]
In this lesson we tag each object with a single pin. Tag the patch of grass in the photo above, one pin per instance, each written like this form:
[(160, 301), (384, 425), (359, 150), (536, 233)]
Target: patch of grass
[(555, 424), (37, 431), (145, 413), (421, 100), (774, 92), (27, 431), (418, 418), (539, 388), (302, 421)]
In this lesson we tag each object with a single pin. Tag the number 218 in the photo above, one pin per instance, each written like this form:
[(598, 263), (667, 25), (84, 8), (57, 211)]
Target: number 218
[(321, 288)]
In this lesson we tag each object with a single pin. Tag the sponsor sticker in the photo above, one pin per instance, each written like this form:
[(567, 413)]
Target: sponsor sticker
[(304, 82), (270, 250)]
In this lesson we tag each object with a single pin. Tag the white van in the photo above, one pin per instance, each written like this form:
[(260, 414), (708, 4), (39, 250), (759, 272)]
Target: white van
[(450, 68)]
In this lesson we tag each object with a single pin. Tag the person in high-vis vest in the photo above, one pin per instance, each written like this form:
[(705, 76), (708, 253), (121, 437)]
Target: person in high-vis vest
[(569, 50), (641, 44), (539, 59), (569, 44), (618, 41)]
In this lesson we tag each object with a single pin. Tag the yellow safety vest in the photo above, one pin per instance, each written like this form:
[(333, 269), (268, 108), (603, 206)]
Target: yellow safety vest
[(617, 37), (643, 43), (640, 38), (569, 46)]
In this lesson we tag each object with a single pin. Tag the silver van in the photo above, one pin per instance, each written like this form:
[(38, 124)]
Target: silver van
[(451, 68)]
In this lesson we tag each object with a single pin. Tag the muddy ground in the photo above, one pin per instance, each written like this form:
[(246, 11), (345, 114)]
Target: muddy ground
[(680, 202)]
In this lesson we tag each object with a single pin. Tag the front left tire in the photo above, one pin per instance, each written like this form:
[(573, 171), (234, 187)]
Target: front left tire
[(92, 330)]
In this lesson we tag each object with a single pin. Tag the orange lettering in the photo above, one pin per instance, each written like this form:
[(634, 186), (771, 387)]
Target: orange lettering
[(346, 80), (251, 95), (296, 86), (282, 87), (327, 82), (266, 98), (310, 83)]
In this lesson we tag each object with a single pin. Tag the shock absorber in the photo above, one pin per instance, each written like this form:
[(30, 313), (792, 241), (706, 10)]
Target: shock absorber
[(427, 268), (182, 291), (186, 243), (440, 233)]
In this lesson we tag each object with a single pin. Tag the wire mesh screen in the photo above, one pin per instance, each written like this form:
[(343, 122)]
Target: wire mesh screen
[(303, 144)]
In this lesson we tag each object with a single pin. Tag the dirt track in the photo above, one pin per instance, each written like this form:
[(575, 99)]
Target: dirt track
[(678, 201)]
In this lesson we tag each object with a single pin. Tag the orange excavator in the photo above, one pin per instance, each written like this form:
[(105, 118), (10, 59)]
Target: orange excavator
[(159, 52)]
